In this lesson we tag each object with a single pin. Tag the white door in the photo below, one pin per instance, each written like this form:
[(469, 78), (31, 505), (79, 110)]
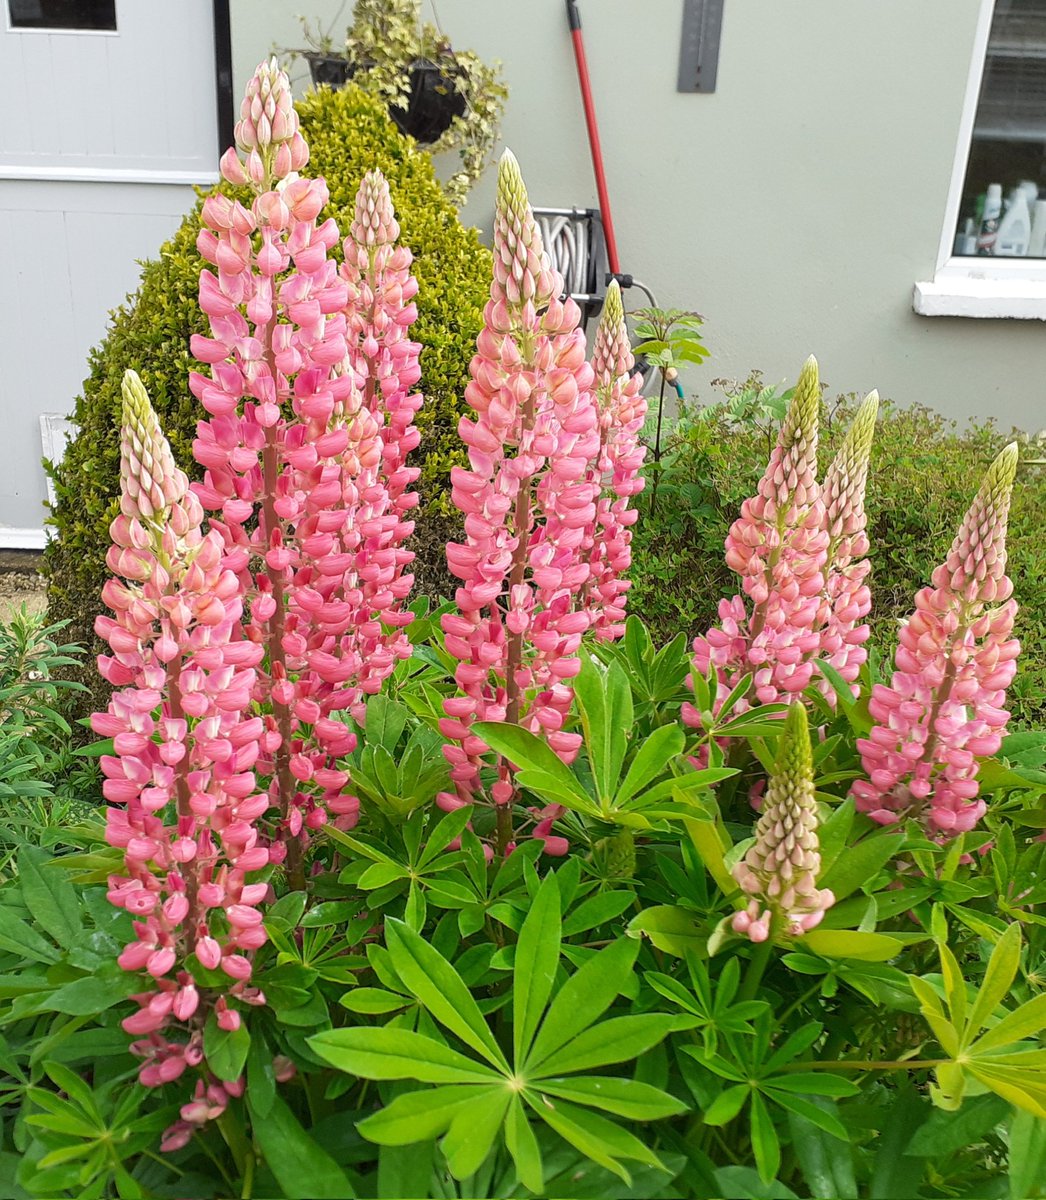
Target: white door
[(109, 116)]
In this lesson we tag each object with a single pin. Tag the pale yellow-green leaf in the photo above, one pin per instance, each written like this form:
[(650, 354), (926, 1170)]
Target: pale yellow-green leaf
[(933, 1013), (1035, 1059), (712, 845), (954, 988), (948, 1093), (1024, 1089), (1000, 973), (1026, 1021), (848, 943), (989, 929)]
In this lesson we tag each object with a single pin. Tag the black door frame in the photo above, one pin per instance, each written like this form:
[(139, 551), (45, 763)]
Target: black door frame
[(223, 73)]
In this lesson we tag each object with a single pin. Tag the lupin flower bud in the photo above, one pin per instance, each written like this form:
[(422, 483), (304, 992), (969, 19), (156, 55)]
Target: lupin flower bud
[(522, 272), (621, 410), (528, 497), (847, 597), (944, 708), (267, 131), (779, 548), (150, 483), (780, 870), (374, 222)]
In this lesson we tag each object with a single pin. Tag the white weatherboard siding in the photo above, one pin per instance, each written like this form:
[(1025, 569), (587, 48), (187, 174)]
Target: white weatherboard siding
[(74, 259), (108, 133), (796, 207)]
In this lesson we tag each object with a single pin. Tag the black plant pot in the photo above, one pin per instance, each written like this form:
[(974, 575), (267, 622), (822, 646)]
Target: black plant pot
[(433, 103)]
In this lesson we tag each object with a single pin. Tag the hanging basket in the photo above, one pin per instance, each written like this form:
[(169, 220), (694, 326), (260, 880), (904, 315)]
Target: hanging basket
[(433, 103)]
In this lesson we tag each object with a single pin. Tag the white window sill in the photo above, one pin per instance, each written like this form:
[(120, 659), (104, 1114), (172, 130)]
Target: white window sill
[(966, 296)]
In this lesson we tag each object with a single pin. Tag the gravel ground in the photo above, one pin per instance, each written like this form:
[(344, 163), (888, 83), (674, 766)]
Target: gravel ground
[(20, 583)]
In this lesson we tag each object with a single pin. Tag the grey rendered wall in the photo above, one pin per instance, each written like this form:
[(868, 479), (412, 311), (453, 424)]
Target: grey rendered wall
[(795, 207)]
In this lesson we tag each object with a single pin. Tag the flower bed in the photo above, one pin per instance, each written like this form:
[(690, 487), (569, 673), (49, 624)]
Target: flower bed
[(503, 899)]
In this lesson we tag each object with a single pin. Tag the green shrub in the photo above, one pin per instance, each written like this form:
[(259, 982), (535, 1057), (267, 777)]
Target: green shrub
[(348, 134), (924, 474)]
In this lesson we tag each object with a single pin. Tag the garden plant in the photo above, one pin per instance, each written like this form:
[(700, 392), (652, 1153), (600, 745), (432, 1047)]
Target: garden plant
[(388, 51), (348, 133), (501, 897)]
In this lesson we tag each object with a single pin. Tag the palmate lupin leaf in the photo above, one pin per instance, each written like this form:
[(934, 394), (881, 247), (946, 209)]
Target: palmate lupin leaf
[(485, 1095), (629, 785), (996, 1059)]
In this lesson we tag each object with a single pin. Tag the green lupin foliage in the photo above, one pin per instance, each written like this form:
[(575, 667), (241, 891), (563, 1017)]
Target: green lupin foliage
[(348, 134)]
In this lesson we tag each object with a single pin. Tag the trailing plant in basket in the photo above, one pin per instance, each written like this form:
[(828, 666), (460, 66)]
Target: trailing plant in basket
[(399, 902), (449, 99)]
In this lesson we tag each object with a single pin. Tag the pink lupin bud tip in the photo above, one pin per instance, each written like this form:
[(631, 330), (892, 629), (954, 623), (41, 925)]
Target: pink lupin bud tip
[(267, 116), (150, 481), (798, 439), (612, 352), (779, 872), (979, 550), (267, 132), (848, 599), (374, 222), (522, 272), (845, 481)]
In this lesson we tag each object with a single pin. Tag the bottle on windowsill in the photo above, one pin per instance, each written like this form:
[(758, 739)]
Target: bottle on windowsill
[(1014, 233), (990, 220)]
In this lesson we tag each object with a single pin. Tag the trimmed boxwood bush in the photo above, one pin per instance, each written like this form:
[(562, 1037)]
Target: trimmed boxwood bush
[(349, 134), (923, 476)]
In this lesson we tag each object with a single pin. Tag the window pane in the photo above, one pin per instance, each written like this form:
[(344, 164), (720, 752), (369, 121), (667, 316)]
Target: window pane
[(62, 14), (1002, 213)]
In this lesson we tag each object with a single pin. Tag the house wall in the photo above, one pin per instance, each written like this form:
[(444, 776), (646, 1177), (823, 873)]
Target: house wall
[(795, 207), (96, 171)]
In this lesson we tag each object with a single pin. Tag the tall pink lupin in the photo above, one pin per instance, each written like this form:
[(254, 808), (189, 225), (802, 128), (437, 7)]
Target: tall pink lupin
[(944, 708)]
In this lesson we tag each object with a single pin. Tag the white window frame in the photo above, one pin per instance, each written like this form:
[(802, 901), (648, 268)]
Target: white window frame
[(978, 287)]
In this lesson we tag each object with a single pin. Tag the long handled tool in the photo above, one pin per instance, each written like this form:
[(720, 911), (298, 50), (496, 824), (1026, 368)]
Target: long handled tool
[(574, 17)]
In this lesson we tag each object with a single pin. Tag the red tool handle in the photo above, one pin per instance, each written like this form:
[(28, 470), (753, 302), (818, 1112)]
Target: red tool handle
[(574, 17)]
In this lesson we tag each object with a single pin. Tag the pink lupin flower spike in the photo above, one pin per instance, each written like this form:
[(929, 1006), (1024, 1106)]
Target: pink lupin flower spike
[(779, 548), (780, 870), (311, 403), (622, 409), (945, 706), (380, 313), (178, 737), (528, 497), (847, 597)]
